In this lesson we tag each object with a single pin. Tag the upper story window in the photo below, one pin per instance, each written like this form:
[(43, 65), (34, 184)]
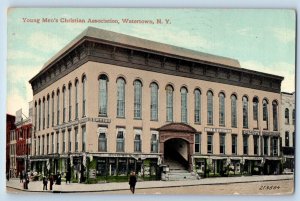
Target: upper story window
[(184, 114), (64, 104), (233, 111), (265, 110), (221, 109), (169, 98), (70, 102), (137, 99), (103, 95), (57, 108), (255, 109), (197, 111), (245, 112), (83, 96), (120, 140), (210, 108), (294, 116), (154, 101), (121, 97), (197, 143), (275, 115), (39, 114), (76, 99), (53, 111), (48, 110), (83, 138), (44, 113), (35, 115), (137, 141), (154, 142), (287, 116), (102, 139)]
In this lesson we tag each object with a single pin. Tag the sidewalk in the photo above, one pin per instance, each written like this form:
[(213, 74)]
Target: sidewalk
[(37, 186)]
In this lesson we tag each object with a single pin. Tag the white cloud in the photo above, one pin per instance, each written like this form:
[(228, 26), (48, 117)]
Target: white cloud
[(283, 69), (45, 42), (22, 55), (284, 35)]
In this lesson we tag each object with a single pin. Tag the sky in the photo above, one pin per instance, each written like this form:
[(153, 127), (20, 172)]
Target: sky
[(261, 40)]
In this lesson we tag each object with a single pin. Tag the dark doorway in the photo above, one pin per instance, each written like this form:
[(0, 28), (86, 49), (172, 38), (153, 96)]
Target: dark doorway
[(176, 153)]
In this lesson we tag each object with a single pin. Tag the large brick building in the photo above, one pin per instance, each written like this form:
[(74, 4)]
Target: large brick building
[(126, 103)]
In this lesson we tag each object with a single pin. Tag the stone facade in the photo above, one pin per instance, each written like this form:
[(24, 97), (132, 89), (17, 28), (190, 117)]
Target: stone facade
[(61, 134)]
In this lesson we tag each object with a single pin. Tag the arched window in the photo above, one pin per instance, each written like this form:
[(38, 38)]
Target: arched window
[(221, 109), (57, 108), (70, 102), (48, 110), (184, 114), (197, 110), (103, 95), (233, 111), (169, 95), (121, 97), (53, 111), (287, 116), (36, 114), (255, 109), (83, 96), (275, 115), (154, 101), (76, 99), (245, 112), (137, 99), (210, 108), (265, 110), (39, 114), (64, 104), (120, 141), (102, 142), (44, 113)]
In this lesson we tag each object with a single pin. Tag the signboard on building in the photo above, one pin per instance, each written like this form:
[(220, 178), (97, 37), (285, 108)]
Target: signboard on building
[(273, 133), (251, 132), (217, 130)]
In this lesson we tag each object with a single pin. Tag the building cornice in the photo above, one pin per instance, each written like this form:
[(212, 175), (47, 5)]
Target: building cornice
[(97, 50)]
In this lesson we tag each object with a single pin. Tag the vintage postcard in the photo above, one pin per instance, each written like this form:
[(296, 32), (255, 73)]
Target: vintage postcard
[(151, 101)]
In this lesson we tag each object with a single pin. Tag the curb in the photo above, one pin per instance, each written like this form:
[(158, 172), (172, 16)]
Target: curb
[(168, 186)]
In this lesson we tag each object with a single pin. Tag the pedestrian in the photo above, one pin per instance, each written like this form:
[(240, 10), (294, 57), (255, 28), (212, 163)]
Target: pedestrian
[(132, 182), (51, 181), (26, 181), (21, 177), (45, 182), (68, 177), (58, 180)]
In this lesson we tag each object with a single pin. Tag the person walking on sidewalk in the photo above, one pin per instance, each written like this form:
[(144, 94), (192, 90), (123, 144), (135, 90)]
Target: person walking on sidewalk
[(51, 182), (21, 177), (45, 182), (132, 182)]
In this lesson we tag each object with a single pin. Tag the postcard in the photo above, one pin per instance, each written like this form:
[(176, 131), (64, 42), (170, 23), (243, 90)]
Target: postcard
[(151, 101)]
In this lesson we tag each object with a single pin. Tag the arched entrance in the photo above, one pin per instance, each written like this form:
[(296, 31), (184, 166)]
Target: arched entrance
[(176, 141)]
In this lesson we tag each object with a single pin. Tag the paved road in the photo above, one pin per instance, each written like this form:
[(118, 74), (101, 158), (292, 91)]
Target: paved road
[(283, 187)]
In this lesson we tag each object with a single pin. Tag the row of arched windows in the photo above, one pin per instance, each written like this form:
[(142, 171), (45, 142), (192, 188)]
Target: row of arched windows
[(154, 97), (287, 116)]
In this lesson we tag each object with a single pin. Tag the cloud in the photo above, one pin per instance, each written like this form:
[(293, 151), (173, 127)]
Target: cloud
[(46, 42), (283, 69), (22, 55), (284, 35)]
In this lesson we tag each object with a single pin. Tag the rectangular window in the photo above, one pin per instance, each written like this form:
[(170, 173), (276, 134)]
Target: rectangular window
[(43, 145), (197, 106), (137, 99), (154, 102), (44, 114), (39, 146), (287, 139), (76, 139), (39, 115), (57, 109), (53, 110), (255, 144), (48, 112), (266, 145), (70, 140), (234, 144), (64, 142), (120, 141), (137, 143), (275, 146), (52, 140), (209, 143), (154, 143), (197, 143), (70, 103), (255, 110), (222, 143), (209, 108), (102, 140), (76, 100), (83, 138), (64, 105), (245, 144), (57, 142), (47, 144)]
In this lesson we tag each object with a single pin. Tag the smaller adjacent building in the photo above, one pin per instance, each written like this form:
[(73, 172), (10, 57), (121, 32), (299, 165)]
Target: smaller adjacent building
[(288, 120), (10, 126), (20, 143)]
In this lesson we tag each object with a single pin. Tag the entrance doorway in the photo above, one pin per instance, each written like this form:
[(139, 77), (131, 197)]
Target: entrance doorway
[(176, 153)]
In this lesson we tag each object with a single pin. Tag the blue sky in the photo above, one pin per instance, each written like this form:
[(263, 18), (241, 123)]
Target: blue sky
[(262, 40)]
